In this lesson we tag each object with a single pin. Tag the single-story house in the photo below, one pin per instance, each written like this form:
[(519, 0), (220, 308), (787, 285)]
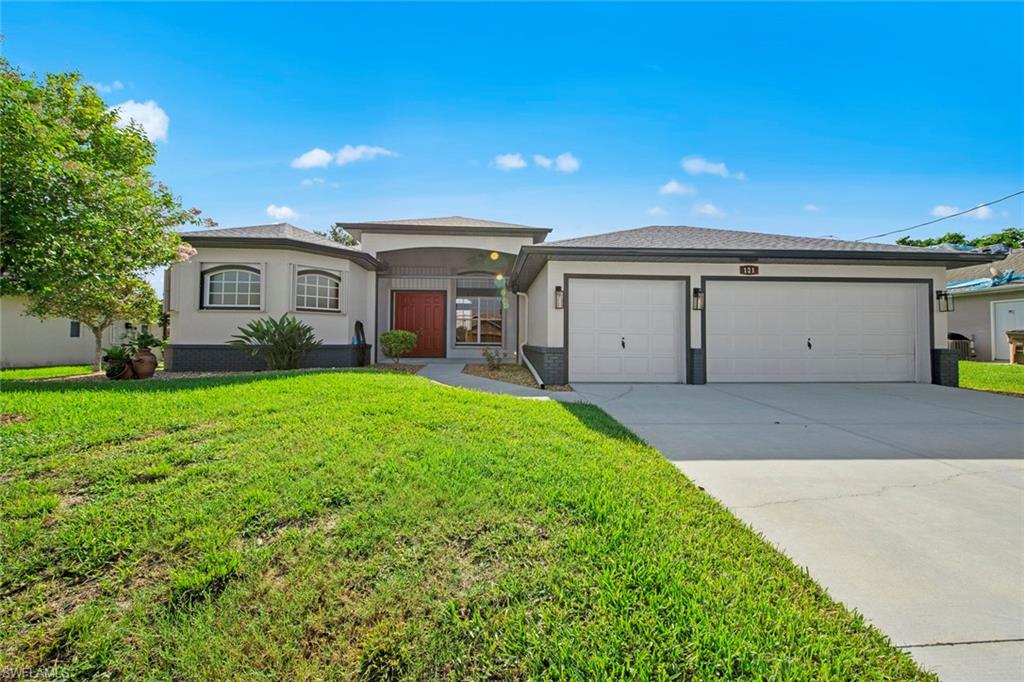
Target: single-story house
[(27, 341), (658, 304), (989, 301)]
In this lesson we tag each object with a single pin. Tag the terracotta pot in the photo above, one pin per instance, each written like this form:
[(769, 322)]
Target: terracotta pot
[(126, 373), (144, 363)]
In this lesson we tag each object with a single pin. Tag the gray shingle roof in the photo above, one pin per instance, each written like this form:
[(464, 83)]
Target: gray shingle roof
[(1015, 262), (446, 221), (685, 237), (273, 231)]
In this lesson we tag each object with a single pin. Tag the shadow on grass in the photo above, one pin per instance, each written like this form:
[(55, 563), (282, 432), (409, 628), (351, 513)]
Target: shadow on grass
[(596, 419), (172, 385)]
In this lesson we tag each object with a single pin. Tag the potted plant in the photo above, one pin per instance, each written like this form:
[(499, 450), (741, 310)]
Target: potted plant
[(143, 360), (118, 363)]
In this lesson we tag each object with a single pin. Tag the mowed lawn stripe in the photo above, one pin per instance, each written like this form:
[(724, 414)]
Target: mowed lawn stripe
[(338, 524)]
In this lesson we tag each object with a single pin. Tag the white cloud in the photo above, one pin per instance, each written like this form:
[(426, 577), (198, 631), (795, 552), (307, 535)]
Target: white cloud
[(983, 213), (314, 158), (811, 208), (656, 210), (281, 212), (153, 120), (507, 162), (698, 165), (107, 88), (942, 211), (566, 163), (542, 161), (310, 182), (361, 152), (707, 208), (676, 187)]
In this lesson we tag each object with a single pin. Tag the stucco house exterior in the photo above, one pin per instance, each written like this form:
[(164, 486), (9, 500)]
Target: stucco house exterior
[(27, 341), (989, 303), (658, 304)]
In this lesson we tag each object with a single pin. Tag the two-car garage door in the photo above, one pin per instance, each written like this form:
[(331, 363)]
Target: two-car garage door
[(634, 330), (812, 331)]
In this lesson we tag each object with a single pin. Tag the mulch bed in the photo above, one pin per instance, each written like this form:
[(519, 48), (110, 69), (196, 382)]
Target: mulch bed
[(510, 374)]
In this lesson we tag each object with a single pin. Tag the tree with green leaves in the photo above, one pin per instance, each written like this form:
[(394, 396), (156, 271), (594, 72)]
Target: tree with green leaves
[(79, 203), (1011, 237), (98, 305), (337, 234)]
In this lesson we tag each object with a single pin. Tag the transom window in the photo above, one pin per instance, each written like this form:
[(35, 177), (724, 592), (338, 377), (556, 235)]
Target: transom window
[(316, 290), (231, 287), (477, 313)]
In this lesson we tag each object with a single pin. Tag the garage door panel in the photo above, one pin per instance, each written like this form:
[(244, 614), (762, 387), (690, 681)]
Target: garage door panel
[(859, 331), (643, 315)]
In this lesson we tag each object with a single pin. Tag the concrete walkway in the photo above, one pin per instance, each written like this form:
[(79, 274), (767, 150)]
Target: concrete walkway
[(906, 501), (451, 373)]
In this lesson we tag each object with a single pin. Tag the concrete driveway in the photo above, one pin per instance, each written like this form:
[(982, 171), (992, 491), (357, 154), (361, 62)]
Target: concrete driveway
[(906, 501)]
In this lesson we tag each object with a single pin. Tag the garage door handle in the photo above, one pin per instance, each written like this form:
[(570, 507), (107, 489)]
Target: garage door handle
[(809, 346), (623, 342)]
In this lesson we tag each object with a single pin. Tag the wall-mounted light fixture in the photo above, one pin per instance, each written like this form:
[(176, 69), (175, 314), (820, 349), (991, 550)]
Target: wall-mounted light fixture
[(559, 298), (698, 299), (946, 301)]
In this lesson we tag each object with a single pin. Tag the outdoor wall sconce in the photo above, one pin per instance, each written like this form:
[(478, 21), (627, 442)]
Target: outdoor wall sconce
[(946, 301), (698, 299), (559, 298)]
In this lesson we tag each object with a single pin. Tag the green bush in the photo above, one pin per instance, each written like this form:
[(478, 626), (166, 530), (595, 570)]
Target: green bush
[(281, 343), (396, 343)]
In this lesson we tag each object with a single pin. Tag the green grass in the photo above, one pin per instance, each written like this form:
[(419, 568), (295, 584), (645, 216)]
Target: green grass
[(370, 525), (45, 372), (990, 376)]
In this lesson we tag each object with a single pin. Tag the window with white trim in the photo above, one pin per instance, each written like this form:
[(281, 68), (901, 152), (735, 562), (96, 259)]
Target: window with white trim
[(231, 287), (317, 290), (478, 312)]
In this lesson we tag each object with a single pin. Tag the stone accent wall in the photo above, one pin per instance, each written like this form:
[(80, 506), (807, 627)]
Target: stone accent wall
[(224, 358), (945, 367), (550, 362), (696, 367)]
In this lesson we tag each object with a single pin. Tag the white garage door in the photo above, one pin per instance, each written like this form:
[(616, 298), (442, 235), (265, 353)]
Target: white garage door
[(625, 330), (812, 331)]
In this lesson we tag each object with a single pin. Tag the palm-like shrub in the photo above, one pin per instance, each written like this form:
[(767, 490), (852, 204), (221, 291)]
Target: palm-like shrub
[(396, 343), (281, 343)]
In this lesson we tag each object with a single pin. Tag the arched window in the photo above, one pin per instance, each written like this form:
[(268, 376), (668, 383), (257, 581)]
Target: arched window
[(231, 286), (317, 290)]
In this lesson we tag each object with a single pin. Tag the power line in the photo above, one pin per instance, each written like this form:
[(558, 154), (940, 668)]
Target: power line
[(945, 217)]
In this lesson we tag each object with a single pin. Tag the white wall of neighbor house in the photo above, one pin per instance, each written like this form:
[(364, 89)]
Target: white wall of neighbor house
[(192, 324), (27, 341), (972, 317), (375, 243), (547, 323)]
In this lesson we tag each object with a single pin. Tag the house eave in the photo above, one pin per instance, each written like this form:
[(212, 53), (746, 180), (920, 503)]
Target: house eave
[(532, 259), (536, 234), (360, 258)]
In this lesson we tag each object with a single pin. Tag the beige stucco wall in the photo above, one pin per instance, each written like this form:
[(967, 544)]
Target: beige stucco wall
[(547, 324), (973, 318), (189, 324), (377, 243), (27, 341)]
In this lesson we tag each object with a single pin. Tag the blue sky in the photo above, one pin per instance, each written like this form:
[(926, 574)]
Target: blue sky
[(808, 119)]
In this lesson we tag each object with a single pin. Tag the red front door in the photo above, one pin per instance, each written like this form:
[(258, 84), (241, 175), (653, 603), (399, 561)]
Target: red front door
[(422, 312)]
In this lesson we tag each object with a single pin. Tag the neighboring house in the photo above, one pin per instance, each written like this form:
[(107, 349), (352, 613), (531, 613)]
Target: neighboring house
[(27, 341), (667, 304), (989, 302)]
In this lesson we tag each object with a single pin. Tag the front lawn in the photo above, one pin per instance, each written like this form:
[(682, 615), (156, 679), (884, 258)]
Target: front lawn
[(365, 524), (992, 376), (45, 372)]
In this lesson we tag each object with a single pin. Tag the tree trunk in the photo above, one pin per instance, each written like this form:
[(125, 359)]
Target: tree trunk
[(97, 362)]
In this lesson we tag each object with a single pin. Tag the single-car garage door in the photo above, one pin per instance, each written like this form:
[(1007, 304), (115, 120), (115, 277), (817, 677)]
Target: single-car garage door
[(625, 330), (814, 331)]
